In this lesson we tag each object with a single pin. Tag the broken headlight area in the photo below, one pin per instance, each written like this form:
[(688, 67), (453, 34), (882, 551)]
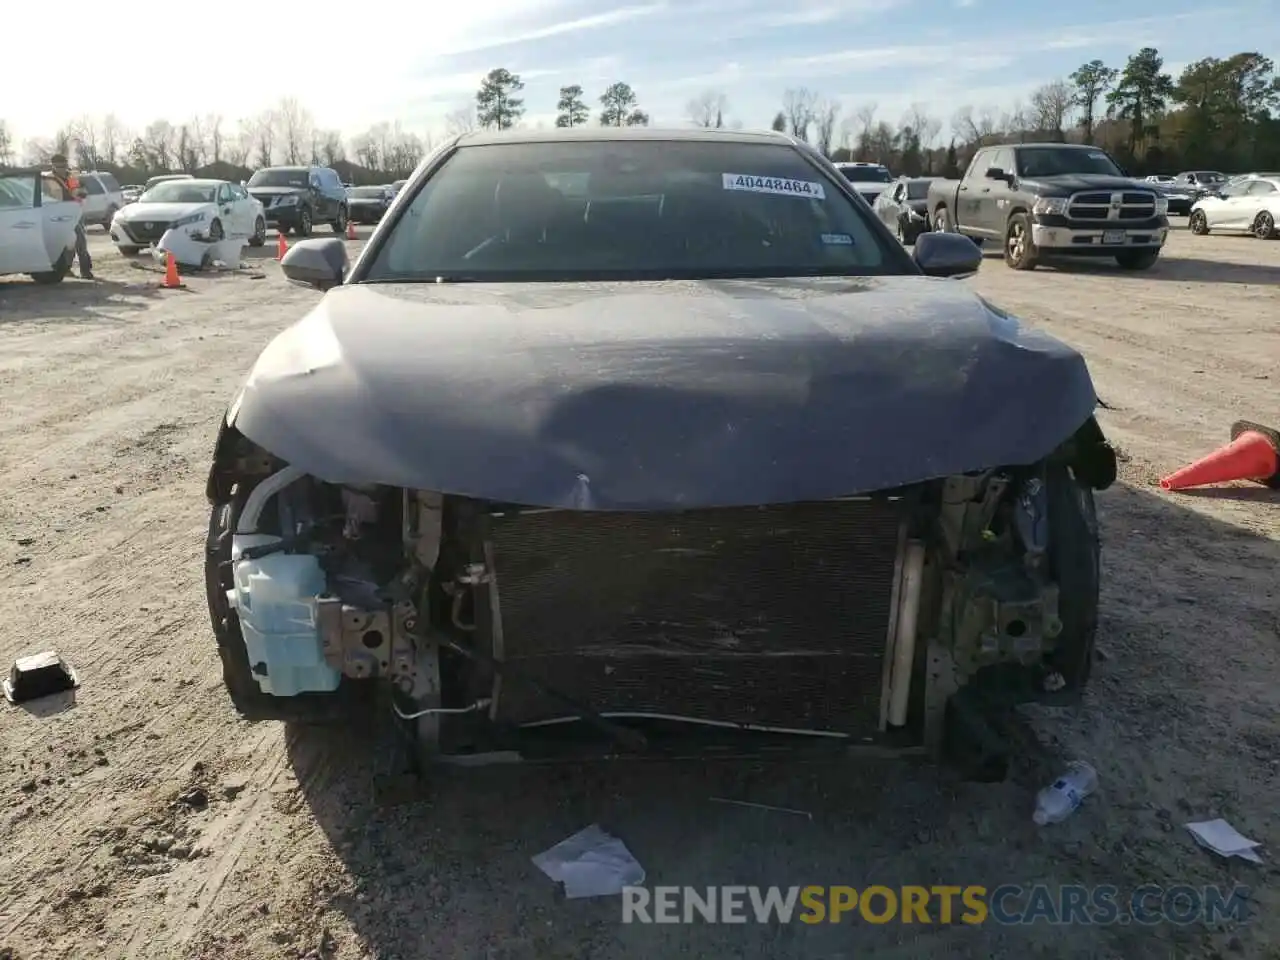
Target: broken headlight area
[(845, 622)]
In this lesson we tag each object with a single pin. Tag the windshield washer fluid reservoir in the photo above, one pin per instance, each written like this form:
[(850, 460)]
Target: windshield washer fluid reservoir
[(275, 598)]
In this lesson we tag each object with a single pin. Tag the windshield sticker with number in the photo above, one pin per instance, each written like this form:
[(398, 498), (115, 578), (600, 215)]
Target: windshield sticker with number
[(804, 189), (837, 239)]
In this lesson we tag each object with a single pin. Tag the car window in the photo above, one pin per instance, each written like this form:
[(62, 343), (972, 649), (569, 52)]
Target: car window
[(978, 165), (92, 186), (279, 177), (649, 210), (1259, 187), (110, 183), (179, 191), (17, 192), (1006, 160), (224, 193), (368, 192), (917, 189)]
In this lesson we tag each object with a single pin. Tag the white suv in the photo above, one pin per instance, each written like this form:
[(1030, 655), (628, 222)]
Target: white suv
[(104, 197)]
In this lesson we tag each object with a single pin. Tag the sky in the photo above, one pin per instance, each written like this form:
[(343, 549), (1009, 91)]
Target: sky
[(428, 62)]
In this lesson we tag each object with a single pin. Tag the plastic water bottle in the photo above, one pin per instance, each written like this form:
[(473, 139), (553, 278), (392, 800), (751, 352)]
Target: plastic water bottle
[(1063, 797)]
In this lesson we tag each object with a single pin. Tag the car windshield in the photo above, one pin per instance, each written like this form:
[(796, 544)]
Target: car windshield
[(630, 210), (917, 189), (165, 179), (1058, 161), (180, 191), (279, 178), (866, 174), (1210, 176), (368, 192)]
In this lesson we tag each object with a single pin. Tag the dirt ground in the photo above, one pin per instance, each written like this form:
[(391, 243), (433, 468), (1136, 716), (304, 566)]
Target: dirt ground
[(147, 822)]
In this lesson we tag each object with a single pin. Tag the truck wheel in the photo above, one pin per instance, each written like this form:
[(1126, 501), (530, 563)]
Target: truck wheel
[(1137, 259), (1198, 223), (1264, 227), (1019, 252), (941, 221), (237, 675)]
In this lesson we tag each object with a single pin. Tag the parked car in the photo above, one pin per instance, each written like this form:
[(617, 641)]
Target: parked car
[(869, 179), (204, 209), (1204, 179), (397, 187), (37, 227), (297, 198), (368, 204), (1179, 196), (164, 177), (132, 191), (1053, 199), (904, 207), (1160, 178), (740, 467), (103, 197), (1247, 206)]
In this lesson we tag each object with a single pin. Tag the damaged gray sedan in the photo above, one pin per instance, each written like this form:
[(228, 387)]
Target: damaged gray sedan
[(643, 442)]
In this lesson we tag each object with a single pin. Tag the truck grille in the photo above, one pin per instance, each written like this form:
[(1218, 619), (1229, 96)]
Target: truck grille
[(1127, 205), (776, 616)]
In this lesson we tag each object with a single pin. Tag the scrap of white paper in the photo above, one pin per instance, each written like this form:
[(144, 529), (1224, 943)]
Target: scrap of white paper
[(591, 863), (1224, 840)]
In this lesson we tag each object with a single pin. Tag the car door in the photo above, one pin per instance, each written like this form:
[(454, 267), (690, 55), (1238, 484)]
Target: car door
[(232, 222), (1230, 208), (21, 243), (248, 212), (319, 198), (971, 185), (993, 195), (1260, 195)]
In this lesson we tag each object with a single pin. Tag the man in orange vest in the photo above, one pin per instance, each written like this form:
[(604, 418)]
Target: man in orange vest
[(72, 190)]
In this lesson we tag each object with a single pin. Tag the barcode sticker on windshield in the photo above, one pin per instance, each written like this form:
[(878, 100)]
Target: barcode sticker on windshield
[(804, 189), (837, 239)]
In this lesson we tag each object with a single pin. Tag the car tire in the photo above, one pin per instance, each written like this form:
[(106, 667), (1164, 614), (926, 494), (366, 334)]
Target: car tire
[(303, 228), (1137, 259), (216, 232), (59, 272), (1264, 226), (246, 696), (108, 217), (127, 251), (1075, 562), (1019, 252), (941, 221), (259, 237), (340, 225), (1199, 223)]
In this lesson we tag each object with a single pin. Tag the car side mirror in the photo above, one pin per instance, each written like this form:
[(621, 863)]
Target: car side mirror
[(946, 255), (997, 173), (320, 264)]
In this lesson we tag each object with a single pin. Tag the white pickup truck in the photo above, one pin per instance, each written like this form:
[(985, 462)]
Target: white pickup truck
[(37, 227)]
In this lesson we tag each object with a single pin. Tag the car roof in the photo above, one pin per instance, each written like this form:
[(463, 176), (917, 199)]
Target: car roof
[(615, 134)]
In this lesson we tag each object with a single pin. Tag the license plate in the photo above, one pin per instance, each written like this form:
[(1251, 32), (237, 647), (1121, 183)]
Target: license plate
[(1113, 236)]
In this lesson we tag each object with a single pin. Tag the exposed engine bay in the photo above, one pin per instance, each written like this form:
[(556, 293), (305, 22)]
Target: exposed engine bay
[(852, 621)]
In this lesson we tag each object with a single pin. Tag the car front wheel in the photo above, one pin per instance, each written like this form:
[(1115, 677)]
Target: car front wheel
[(1199, 223), (259, 233), (1019, 252), (340, 225)]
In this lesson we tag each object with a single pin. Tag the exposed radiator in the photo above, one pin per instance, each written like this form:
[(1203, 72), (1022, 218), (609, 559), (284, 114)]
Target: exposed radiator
[(775, 616)]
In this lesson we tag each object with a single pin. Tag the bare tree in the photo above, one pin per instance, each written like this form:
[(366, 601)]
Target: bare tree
[(264, 138), (6, 144), (331, 149), (460, 121), (1051, 107), (707, 109), (158, 140), (925, 127), (113, 137), (864, 122), (294, 124), (241, 145), (798, 106), (216, 139), (825, 113), (1016, 121)]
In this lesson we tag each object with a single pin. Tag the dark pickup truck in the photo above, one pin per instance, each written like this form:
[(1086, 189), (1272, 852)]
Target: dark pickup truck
[(1044, 200)]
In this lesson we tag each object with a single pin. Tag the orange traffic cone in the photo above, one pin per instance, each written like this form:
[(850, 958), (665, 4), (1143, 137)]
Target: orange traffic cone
[(351, 230), (281, 246), (171, 279), (1252, 454)]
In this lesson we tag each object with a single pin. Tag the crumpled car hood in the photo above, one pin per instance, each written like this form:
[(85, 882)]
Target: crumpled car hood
[(665, 395)]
